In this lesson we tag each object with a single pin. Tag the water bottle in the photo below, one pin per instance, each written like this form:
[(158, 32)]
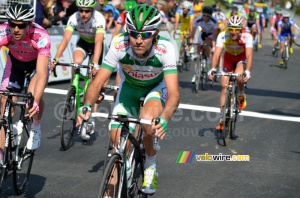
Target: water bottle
[(85, 131), (20, 131)]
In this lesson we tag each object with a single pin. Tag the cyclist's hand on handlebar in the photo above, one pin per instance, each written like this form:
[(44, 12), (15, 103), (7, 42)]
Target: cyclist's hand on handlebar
[(53, 64), (95, 67), (35, 109), (211, 73), (248, 76), (161, 128), (81, 116)]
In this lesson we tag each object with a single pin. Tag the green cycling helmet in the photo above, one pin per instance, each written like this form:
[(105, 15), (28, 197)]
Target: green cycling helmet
[(86, 3), (150, 19), (129, 5)]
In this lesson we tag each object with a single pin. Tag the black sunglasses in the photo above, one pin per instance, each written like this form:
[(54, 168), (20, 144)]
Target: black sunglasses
[(20, 26), (86, 11)]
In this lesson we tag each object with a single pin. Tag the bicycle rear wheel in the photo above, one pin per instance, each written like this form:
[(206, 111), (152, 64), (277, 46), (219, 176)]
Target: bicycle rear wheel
[(226, 119), (68, 119), (110, 184), (256, 42), (22, 163)]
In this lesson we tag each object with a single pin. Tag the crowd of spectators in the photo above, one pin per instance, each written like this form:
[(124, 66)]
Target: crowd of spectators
[(57, 12)]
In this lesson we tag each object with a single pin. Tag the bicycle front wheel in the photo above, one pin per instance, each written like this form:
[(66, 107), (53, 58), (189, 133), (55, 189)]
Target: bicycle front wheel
[(226, 119), (22, 163), (203, 76), (108, 152), (110, 184), (68, 119), (197, 75), (3, 169), (233, 120), (286, 57)]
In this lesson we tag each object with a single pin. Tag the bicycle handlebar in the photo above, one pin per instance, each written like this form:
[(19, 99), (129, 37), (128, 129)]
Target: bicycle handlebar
[(111, 87), (75, 65), (28, 96), (121, 118)]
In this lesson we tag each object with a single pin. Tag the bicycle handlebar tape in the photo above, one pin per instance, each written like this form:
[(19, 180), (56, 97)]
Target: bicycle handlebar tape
[(156, 146)]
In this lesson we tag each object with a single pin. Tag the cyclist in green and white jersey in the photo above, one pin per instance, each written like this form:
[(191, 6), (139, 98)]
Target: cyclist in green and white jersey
[(147, 66), (91, 27)]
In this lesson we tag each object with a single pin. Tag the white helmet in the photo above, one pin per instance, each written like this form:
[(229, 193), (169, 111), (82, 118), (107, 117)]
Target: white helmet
[(235, 21), (20, 12), (286, 14), (259, 10), (187, 5)]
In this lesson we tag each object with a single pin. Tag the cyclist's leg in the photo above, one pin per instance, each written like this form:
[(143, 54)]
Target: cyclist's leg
[(153, 106), (207, 49), (281, 39)]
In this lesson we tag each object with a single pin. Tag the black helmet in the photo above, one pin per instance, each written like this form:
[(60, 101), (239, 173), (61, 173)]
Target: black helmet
[(207, 10)]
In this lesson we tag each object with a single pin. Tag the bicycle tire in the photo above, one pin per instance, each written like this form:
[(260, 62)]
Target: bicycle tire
[(114, 164), (6, 161), (203, 75), (256, 43), (186, 61), (25, 159), (226, 119), (107, 152), (197, 75), (69, 114), (232, 123), (137, 169), (286, 57)]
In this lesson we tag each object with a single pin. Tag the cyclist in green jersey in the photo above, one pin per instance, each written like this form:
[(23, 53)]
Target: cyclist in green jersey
[(147, 66)]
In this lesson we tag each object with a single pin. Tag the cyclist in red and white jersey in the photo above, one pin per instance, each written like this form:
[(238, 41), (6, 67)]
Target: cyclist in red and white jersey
[(274, 26), (29, 51), (238, 51)]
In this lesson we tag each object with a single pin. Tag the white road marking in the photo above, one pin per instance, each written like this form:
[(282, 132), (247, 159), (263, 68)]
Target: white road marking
[(202, 108)]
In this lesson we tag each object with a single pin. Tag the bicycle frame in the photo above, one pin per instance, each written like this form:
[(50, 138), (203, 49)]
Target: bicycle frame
[(75, 83)]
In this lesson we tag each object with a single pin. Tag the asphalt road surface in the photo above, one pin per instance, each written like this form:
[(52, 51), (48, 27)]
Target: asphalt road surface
[(268, 131)]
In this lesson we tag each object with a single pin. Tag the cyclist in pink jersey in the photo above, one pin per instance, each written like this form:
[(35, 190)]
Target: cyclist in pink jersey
[(274, 26), (29, 51)]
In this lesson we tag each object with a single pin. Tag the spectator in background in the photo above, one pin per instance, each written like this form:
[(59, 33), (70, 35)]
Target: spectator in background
[(40, 16), (65, 8), (217, 4), (99, 5), (170, 9), (198, 4)]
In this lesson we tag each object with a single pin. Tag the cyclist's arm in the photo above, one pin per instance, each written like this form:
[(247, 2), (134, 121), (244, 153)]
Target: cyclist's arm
[(192, 34), (64, 43), (95, 87), (249, 55), (176, 22), (279, 31), (98, 46), (42, 77), (118, 27), (257, 23), (191, 23), (172, 103), (216, 56), (215, 35)]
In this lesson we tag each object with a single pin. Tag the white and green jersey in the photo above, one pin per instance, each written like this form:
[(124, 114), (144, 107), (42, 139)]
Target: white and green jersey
[(87, 31), (141, 73)]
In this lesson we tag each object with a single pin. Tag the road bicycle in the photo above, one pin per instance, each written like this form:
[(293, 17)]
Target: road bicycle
[(184, 54), (255, 40), (201, 68), (73, 102), (230, 108), (130, 149), (17, 158)]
